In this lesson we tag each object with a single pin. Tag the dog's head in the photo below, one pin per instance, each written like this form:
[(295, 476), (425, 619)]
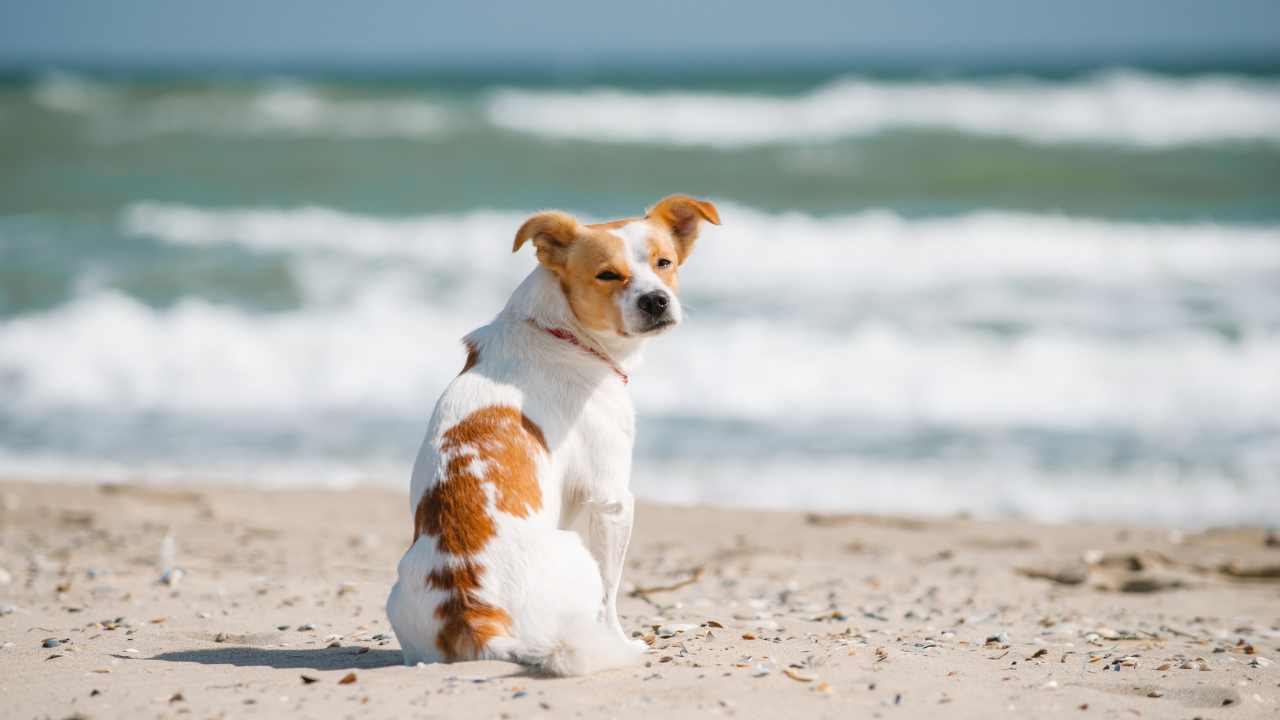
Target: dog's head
[(620, 277)]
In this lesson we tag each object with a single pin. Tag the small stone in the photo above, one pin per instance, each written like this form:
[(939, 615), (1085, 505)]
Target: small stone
[(1259, 662), (8, 610), (172, 576), (798, 675), (1155, 694), (51, 642), (308, 680), (347, 679), (306, 628), (671, 629)]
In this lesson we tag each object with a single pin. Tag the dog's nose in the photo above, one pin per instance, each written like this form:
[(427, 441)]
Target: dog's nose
[(654, 303)]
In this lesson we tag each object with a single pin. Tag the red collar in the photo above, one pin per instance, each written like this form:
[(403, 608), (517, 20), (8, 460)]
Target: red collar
[(572, 339)]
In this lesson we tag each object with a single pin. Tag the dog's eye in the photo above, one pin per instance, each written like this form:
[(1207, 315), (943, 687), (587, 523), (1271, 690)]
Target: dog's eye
[(663, 263), (608, 275)]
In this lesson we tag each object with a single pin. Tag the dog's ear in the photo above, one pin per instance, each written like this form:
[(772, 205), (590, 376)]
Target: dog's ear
[(683, 215), (552, 232)]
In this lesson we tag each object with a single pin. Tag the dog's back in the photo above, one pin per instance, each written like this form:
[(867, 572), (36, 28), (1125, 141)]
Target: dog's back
[(490, 575)]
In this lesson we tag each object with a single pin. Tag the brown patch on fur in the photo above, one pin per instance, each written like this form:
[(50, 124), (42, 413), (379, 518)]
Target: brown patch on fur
[(506, 445), (594, 302), (577, 253), (473, 356), (469, 623)]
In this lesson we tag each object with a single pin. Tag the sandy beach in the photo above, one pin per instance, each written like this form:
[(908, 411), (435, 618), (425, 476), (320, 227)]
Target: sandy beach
[(141, 601)]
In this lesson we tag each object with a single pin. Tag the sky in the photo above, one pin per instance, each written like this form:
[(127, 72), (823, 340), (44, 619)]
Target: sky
[(266, 32)]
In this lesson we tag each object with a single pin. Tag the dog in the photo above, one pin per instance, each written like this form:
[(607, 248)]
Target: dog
[(537, 429)]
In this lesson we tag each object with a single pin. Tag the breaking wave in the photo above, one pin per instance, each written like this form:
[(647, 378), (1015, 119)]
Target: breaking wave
[(1053, 349), (1121, 107)]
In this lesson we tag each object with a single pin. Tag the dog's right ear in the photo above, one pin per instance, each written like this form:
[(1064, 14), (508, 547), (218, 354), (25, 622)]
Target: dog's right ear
[(552, 232)]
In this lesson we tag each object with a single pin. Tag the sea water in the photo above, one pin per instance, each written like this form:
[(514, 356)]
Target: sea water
[(1011, 294)]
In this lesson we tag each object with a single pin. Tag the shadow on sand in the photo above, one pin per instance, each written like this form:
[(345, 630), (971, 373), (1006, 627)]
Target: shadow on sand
[(286, 658)]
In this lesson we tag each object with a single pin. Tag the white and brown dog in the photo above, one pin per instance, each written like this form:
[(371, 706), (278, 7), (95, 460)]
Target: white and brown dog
[(537, 427)]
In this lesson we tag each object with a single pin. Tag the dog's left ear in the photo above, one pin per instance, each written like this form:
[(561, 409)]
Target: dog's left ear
[(552, 232), (683, 215)]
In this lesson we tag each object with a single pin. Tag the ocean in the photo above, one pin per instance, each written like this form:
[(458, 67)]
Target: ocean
[(1004, 293)]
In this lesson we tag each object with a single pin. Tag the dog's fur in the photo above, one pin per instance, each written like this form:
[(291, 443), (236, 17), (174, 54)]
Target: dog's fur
[(536, 428)]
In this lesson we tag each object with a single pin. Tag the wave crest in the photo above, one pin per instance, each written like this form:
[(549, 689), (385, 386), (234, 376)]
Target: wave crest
[(1122, 107)]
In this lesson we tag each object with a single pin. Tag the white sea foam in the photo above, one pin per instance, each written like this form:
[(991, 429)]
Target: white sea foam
[(1114, 107), (1120, 106), (382, 334), (65, 92), (791, 251), (281, 107), (294, 110), (389, 354), (1153, 494)]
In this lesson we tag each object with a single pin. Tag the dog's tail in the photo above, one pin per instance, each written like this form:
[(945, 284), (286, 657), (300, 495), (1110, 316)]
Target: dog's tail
[(581, 647)]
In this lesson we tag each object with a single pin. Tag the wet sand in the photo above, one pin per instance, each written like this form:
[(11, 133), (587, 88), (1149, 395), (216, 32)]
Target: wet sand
[(136, 601)]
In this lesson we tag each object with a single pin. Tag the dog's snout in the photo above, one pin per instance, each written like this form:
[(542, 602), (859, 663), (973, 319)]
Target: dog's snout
[(654, 304)]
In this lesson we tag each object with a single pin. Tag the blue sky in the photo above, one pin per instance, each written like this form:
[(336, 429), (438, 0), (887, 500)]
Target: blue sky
[(256, 32)]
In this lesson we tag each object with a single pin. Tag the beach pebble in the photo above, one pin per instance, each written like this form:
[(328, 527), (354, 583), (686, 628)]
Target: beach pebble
[(1259, 662), (761, 669), (51, 643), (8, 610), (673, 628), (172, 576), (799, 675), (306, 628)]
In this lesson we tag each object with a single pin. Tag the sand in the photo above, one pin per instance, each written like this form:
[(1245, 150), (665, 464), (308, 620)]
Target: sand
[(276, 610)]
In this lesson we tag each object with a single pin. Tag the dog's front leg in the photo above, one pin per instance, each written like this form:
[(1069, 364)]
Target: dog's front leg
[(609, 527)]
